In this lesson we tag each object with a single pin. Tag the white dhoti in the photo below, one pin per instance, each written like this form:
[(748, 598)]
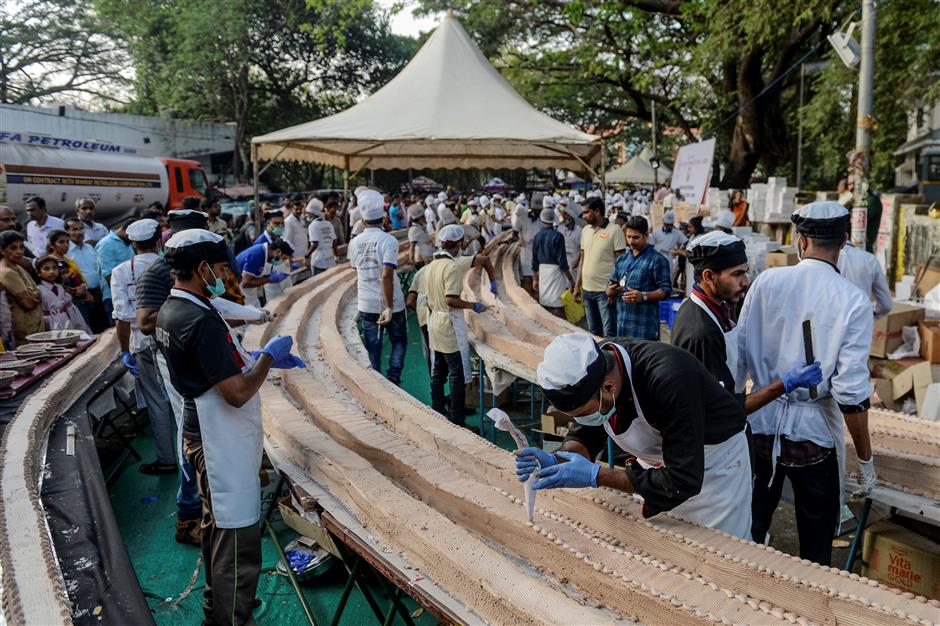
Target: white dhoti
[(552, 283)]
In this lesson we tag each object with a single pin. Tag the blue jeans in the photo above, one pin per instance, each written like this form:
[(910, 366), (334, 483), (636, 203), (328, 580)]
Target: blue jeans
[(600, 318), (188, 502), (397, 331)]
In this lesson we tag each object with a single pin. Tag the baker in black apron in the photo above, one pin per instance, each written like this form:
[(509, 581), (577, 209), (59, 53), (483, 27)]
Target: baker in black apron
[(662, 407), (222, 436)]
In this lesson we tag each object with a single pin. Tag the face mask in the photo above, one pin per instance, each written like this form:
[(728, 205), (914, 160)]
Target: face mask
[(277, 231), (275, 261), (217, 288), (597, 418)]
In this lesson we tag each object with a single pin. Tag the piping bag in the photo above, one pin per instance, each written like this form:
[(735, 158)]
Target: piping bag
[(502, 422)]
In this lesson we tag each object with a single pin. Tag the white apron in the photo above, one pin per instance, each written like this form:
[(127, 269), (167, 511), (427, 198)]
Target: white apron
[(460, 331), (525, 258), (731, 338), (232, 442), (552, 283), (724, 503)]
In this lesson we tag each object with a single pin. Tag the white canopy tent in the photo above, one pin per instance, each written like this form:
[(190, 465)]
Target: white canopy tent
[(448, 108), (639, 171)]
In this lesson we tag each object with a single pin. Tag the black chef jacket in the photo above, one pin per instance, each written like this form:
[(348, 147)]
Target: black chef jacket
[(684, 402), (694, 331)]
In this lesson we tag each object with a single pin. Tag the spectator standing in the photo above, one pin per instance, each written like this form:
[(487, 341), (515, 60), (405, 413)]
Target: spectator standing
[(550, 273), (397, 214), (331, 205), (94, 231), (422, 250), (601, 243), (211, 207), (86, 260), (112, 250), (40, 225), (739, 207), (321, 237), (380, 302), (21, 290), (571, 231), (295, 231), (58, 310), (640, 279)]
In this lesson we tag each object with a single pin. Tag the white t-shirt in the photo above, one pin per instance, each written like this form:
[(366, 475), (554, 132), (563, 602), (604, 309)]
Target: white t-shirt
[(322, 233), (369, 253), (37, 237), (419, 238), (295, 236)]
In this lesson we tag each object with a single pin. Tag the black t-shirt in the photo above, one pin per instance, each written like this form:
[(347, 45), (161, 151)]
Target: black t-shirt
[(154, 285), (199, 352), (695, 332), (684, 402)]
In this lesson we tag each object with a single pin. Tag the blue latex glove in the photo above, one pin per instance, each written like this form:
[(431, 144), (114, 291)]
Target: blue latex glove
[(576, 472), (279, 351), (802, 375), (276, 277), (530, 459), (295, 266), (478, 307), (493, 289), (130, 364)]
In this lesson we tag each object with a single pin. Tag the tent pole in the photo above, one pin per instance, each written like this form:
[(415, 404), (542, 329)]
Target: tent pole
[(254, 176), (346, 203)]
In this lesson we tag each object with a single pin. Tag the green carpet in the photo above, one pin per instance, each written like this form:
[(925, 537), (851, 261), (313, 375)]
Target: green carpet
[(145, 508)]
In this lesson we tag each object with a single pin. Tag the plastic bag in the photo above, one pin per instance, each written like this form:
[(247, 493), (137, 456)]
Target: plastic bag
[(574, 311)]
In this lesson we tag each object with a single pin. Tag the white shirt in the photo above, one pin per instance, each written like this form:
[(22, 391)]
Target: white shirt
[(322, 233), (370, 253), (572, 244), (96, 232), (124, 294), (430, 219), (37, 237), (354, 215), (296, 235), (861, 268), (770, 342), (665, 242), (419, 238)]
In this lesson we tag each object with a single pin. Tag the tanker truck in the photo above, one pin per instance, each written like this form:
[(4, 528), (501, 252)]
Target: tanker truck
[(118, 183)]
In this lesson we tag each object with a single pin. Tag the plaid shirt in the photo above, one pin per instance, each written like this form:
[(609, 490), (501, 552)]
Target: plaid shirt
[(647, 271)]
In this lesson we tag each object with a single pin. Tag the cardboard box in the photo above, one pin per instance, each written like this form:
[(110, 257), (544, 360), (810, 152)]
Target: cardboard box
[(923, 375), (901, 558), (893, 382), (931, 278), (784, 257), (553, 421), (930, 340), (886, 335), (307, 524)]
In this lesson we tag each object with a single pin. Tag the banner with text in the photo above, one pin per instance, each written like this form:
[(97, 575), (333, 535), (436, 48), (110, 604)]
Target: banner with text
[(692, 170)]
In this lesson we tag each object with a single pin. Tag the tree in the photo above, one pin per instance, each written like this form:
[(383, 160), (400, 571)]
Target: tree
[(261, 65), (722, 68), (57, 48)]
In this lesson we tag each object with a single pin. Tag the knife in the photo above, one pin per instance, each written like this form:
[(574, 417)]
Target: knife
[(808, 350)]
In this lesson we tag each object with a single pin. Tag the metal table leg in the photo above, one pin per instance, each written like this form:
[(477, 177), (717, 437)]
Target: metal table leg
[(857, 541)]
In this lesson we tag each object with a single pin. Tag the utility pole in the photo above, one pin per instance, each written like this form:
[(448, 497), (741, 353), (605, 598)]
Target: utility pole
[(655, 159), (861, 159)]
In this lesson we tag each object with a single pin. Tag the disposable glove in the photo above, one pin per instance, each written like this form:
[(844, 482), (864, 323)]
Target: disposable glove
[(576, 472), (276, 277), (278, 347), (130, 364), (802, 375), (385, 317), (530, 459), (493, 289), (284, 363), (478, 307), (295, 266), (866, 477)]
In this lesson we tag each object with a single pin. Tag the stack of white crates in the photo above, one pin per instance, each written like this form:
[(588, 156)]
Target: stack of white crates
[(716, 200), (772, 202)]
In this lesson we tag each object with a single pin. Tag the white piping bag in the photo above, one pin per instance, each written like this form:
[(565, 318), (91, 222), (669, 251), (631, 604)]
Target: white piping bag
[(502, 422)]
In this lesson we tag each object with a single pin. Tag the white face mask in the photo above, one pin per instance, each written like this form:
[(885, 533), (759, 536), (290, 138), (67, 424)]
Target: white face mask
[(597, 418)]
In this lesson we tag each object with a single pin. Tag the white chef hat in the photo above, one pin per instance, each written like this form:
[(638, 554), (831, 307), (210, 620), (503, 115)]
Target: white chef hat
[(547, 216), (485, 200), (371, 205), (500, 213), (473, 202), (725, 219), (497, 196), (143, 230), (451, 232), (314, 207), (358, 190), (195, 245), (825, 219), (442, 195), (669, 218), (415, 212), (571, 371), (548, 202)]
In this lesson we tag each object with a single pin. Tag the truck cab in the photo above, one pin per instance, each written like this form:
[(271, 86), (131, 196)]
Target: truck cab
[(185, 178)]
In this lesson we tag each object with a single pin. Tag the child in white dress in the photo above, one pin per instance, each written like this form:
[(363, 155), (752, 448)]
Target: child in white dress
[(57, 307)]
